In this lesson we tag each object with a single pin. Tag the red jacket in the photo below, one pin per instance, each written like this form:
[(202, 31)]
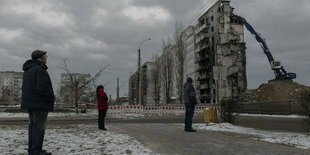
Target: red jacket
[(102, 100)]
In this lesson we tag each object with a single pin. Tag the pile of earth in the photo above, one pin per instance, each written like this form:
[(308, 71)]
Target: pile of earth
[(276, 90)]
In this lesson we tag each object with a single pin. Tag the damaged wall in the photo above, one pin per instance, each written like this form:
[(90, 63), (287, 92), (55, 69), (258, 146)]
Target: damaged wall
[(220, 55)]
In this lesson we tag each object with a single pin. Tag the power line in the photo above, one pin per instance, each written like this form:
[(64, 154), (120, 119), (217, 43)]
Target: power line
[(195, 14), (205, 7)]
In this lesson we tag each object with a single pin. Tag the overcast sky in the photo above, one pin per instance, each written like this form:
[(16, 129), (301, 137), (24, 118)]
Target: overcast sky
[(95, 32)]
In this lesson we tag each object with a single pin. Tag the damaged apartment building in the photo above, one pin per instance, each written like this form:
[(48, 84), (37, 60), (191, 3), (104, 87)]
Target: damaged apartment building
[(215, 59), (220, 55)]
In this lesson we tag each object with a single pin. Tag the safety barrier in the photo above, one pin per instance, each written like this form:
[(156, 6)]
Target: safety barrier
[(155, 111), (115, 110)]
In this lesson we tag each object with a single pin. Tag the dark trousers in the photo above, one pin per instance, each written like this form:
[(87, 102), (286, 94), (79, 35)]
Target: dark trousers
[(189, 113), (101, 117), (36, 131)]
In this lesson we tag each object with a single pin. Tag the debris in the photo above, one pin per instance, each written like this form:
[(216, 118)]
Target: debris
[(276, 90)]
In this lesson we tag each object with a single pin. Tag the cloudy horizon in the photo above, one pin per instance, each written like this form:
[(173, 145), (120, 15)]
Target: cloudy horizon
[(91, 33)]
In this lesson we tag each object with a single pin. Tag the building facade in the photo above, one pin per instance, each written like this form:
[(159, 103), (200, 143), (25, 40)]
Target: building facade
[(133, 89), (147, 87), (220, 55), (11, 86), (148, 84), (66, 87), (189, 45), (215, 59)]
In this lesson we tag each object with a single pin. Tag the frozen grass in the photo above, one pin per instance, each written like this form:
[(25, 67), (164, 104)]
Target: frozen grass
[(293, 139), (71, 139)]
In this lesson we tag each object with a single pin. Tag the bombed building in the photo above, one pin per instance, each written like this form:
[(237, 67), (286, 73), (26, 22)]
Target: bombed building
[(214, 56), (220, 54)]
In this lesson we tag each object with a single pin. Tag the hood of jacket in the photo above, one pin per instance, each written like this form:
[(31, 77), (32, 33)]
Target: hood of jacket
[(30, 63)]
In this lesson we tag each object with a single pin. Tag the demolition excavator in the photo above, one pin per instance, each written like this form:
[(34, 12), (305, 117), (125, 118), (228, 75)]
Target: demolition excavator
[(279, 71)]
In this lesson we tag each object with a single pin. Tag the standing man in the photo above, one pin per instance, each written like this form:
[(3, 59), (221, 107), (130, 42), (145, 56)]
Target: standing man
[(190, 102), (38, 98)]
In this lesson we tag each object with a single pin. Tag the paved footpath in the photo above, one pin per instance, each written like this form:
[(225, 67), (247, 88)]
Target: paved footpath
[(170, 139)]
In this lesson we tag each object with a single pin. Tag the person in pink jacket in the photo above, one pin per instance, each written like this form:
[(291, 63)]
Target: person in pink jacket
[(102, 99)]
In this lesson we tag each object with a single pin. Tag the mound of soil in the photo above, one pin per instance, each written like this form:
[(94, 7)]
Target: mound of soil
[(276, 90)]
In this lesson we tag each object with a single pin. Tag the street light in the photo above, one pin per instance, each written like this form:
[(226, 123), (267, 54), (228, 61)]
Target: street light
[(139, 70)]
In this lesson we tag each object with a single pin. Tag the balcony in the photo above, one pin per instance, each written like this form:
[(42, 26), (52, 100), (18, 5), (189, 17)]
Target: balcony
[(203, 28), (202, 68), (200, 47), (201, 37), (205, 96), (202, 77), (203, 86), (203, 58)]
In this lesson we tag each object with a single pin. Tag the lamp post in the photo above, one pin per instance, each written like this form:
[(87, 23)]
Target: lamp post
[(139, 70)]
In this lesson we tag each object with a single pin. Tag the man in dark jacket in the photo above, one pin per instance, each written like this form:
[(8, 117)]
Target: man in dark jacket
[(38, 98), (190, 102)]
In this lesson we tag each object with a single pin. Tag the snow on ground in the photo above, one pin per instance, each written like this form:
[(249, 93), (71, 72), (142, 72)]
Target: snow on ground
[(94, 112), (90, 113), (50, 114), (288, 138), (264, 115), (71, 139)]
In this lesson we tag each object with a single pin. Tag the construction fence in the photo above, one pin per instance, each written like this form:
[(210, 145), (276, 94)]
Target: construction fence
[(155, 111)]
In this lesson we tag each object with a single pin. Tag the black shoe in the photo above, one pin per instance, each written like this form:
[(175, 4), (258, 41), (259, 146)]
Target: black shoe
[(190, 130), (103, 129), (43, 152)]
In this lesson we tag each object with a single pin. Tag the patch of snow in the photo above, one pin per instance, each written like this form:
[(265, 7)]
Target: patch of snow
[(280, 116), (71, 139), (293, 139), (50, 114)]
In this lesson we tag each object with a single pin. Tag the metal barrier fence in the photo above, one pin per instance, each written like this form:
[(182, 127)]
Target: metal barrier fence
[(153, 111)]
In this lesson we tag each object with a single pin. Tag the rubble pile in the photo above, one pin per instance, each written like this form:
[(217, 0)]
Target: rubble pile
[(276, 90)]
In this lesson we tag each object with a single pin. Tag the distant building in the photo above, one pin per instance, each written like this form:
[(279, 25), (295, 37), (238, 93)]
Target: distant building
[(189, 45), (11, 86), (147, 85), (66, 90), (133, 89)]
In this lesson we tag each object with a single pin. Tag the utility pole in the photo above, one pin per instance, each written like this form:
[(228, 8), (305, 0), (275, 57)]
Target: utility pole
[(139, 78), (117, 97)]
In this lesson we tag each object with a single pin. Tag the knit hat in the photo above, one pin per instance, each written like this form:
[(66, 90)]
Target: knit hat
[(37, 54)]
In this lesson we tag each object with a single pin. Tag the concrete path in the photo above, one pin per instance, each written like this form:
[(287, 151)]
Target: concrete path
[(171, 139)]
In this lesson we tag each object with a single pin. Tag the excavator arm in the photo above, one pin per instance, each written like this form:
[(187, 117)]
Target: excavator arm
[(279, 70)]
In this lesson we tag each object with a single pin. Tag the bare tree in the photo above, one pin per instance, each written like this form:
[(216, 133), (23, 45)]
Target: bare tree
[(180, 59), (77, 85), (304, 101), (156, 74), (167, 69)]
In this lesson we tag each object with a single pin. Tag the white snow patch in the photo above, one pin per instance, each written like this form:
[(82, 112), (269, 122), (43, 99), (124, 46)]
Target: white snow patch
[(89, 113), (71, 139), (280, 116), (50, 114), (293, 139)]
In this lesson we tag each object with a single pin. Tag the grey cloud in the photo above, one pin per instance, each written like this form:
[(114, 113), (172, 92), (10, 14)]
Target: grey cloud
[(112, 38)]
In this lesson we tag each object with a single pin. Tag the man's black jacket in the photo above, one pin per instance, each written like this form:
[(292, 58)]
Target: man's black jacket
[(37, 90), (189, 95)]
